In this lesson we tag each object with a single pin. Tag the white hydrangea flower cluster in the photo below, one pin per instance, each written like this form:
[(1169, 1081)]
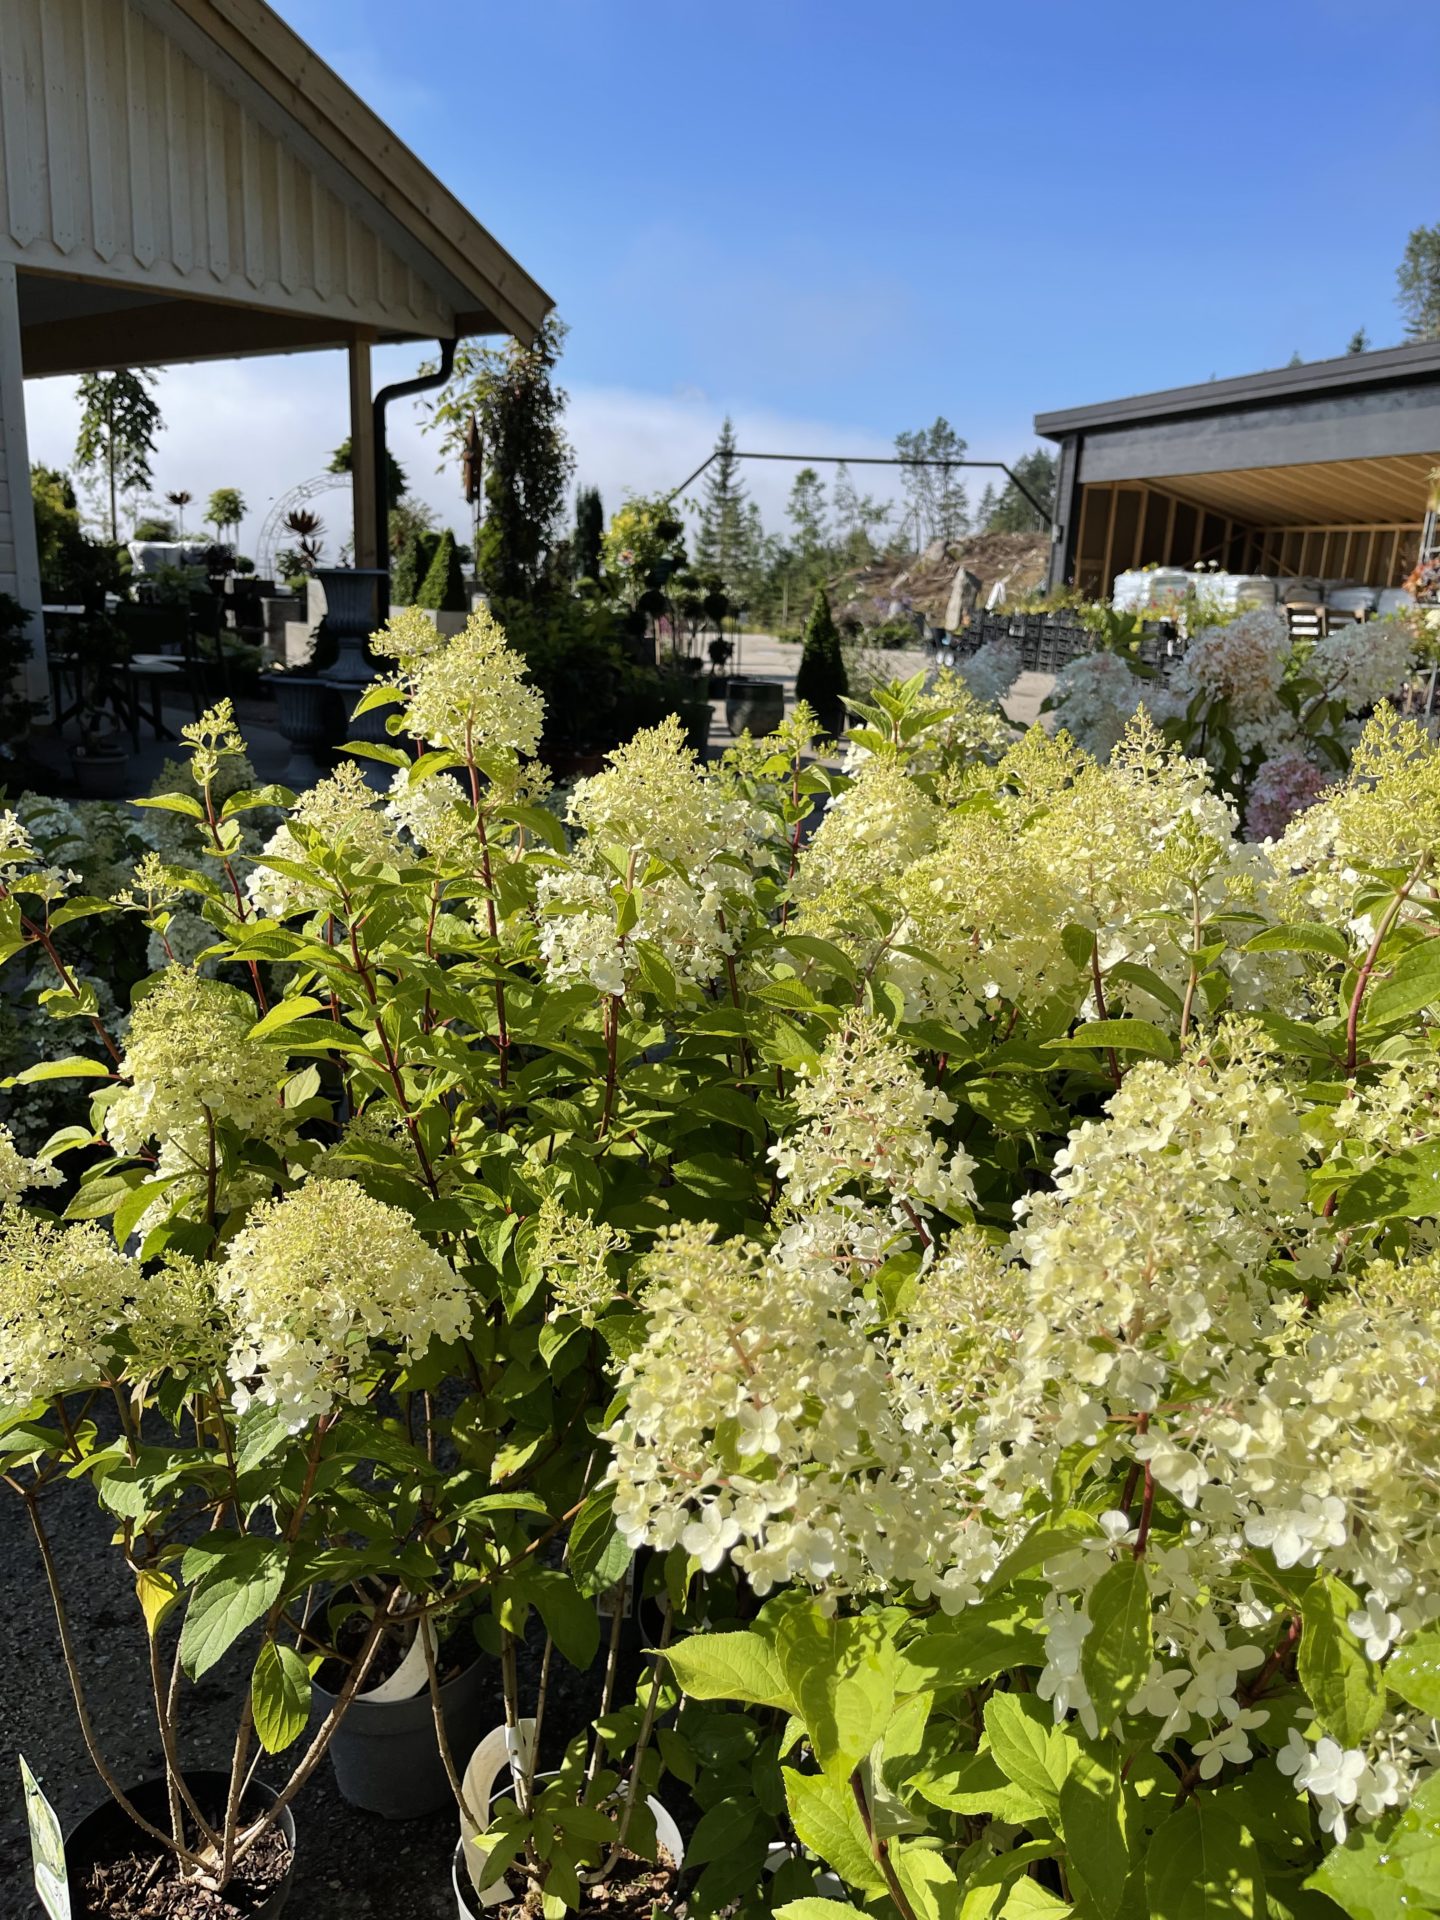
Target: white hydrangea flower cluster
[(1153, 1314), (66, 1293), (347, 817), (1364, 662), (1385, 813), (686, 845), (189, 1065), (873, 831), (1051, 840), (436, 814), (24, 867), (761, 1387), (19, 1173), (320, 1282), (1345, 1782), (575, 1253), (867, 1119), (472, 694), (1241, 663)]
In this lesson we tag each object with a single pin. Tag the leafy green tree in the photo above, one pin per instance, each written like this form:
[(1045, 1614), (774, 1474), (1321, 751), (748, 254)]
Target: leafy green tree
[(443, 587), (1013, 513), (1418, 278), (57, 518), (720, 541), (16, 712), (119, 419), (644, 548), (989, 501), (589, 534), (408, 517), (937, 506), (858, 517), (1359, 341), (821, 678), (528, 461), (225, 510), (809, 516), (396, 483)]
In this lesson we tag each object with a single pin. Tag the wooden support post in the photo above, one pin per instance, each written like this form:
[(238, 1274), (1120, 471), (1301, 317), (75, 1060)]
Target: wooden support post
[(362, 456), (19, 559)]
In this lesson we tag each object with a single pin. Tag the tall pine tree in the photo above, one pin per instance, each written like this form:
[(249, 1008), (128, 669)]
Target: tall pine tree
[(721, 541), (1014, 514)]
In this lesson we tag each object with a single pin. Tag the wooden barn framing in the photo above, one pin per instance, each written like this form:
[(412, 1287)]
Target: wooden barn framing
[(1317, 470)]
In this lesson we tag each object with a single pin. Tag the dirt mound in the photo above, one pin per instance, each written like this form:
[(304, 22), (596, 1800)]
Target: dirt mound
[(888, 589)]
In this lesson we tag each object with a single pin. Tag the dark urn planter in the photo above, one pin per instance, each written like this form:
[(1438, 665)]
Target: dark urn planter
[(386, 1755), (108, 1834), (754, 704), (352, 613), (308, 713)]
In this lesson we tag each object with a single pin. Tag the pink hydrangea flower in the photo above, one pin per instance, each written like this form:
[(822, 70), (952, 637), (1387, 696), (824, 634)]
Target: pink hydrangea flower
[(1283, 787)]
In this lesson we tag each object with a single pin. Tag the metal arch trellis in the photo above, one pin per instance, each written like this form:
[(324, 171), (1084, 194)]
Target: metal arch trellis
[(270, 533)]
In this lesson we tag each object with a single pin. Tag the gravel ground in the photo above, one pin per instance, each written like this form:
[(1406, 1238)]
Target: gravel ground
[(348, 1863)]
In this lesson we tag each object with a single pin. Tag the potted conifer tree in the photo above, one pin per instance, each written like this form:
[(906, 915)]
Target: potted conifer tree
[(822, 679)]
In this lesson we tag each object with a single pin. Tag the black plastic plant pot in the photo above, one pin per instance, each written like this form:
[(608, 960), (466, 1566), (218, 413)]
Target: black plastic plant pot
[(107, 1833), (386, 1756)]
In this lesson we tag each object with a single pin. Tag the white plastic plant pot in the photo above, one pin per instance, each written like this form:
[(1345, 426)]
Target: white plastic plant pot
[(502, 1752), (828, 1885)]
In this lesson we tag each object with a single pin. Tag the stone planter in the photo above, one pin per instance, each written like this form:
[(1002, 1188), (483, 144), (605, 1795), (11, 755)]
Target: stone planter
[(754, 704)]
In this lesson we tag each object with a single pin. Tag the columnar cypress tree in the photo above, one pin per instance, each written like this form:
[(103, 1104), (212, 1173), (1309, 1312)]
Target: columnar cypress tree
[(589, 532), (406, 576), (443, 587), (822, 679)]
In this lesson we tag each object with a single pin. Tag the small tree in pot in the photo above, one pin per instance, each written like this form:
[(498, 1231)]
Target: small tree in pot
[(822, 679)]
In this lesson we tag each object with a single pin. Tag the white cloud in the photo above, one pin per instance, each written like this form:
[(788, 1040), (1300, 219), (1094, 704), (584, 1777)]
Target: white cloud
[(265, 425)]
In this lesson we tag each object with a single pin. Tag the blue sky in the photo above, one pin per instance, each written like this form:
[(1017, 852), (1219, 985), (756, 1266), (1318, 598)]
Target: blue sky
[(877, 213), (838, 220)]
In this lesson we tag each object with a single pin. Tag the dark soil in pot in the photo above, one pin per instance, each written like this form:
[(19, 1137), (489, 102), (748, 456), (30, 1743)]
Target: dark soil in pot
[(118, 1872), (635, 1890)]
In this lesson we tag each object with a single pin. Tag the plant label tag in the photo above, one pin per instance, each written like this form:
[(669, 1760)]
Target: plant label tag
[(47, 1847)]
